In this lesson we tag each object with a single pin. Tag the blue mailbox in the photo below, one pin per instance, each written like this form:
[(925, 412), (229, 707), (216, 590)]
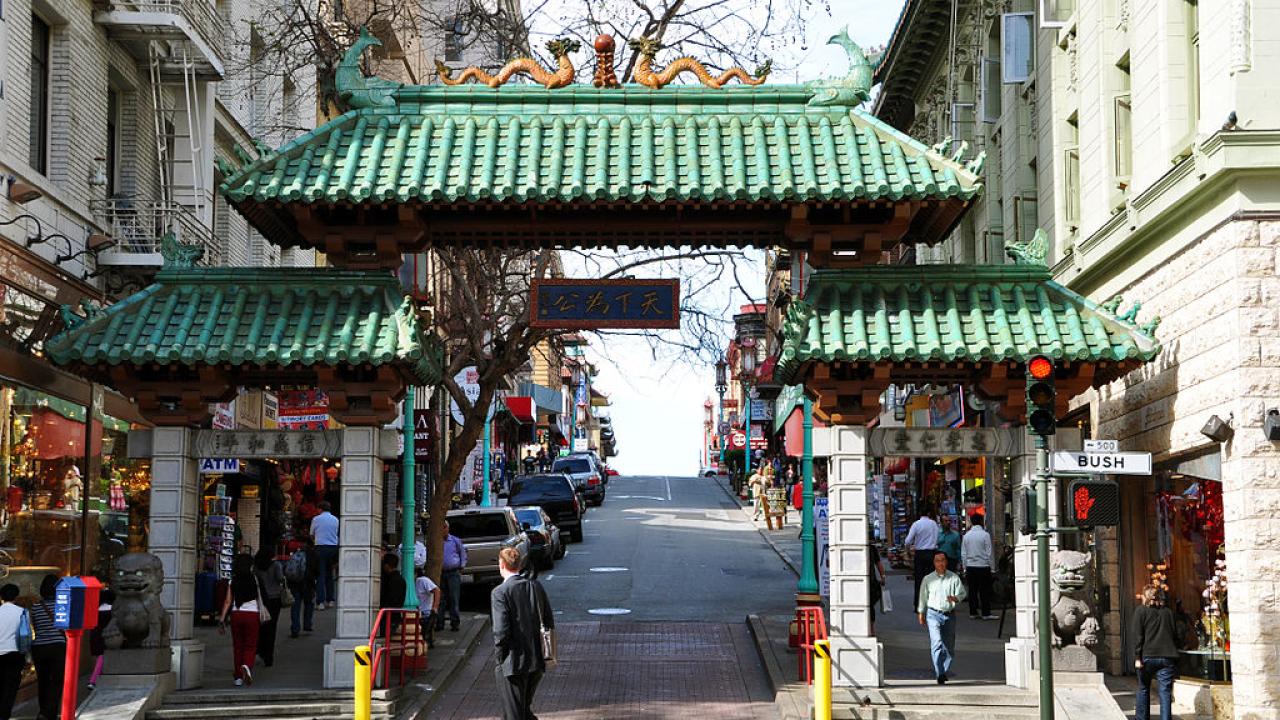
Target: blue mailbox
[(76, 603)]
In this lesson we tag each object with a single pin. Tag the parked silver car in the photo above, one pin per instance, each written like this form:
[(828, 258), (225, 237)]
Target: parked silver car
[(484, 531)]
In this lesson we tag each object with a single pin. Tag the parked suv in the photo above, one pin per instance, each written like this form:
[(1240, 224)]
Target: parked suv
[(586, 474), (484, 531), (556, 495)]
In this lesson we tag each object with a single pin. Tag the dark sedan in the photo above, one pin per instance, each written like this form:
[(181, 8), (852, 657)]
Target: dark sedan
[(545, 545), (555, 494)]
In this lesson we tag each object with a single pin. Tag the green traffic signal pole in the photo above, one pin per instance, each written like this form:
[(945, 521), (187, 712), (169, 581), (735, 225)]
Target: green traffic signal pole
[(1044, 626), (808, 583), (408, 505), (719, 427)]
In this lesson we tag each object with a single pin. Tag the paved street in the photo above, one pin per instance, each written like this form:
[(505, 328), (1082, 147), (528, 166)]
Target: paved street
[(649, 611)]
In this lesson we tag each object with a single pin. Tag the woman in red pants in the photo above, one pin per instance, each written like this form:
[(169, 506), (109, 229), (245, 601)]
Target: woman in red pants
[(241, 608)]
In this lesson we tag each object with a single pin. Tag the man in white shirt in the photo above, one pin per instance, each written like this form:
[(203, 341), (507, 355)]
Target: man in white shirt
[(12, 660), (940, 593), (922, 538), (324, 530), (976, 555)]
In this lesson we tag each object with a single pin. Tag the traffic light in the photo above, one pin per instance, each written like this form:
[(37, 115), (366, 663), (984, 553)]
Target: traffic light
[(1093, 503), (1024, 509), (1040, 396)]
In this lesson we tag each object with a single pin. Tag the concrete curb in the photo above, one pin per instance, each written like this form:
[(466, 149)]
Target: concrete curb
[(783, 556), (451, 664), (784, 699)]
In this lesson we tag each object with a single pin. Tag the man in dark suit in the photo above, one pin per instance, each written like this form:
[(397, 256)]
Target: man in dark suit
[(520, 610)]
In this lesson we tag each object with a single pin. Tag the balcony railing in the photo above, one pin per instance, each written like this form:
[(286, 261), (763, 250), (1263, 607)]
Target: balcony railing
[(137, 226), (149, 16)]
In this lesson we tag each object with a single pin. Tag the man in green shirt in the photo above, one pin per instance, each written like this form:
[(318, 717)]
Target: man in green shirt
[(940, 592), (949, 543)]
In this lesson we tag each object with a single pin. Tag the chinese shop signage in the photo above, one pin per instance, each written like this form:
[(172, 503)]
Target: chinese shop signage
[(593, 304)]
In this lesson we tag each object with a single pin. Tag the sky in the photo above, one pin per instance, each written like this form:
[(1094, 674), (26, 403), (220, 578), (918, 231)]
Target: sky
[(657, 403)]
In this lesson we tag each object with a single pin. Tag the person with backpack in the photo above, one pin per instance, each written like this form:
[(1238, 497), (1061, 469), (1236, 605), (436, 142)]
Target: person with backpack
[(15, 641), (48, 650), (97, 644), (300, 573), (271, 580)]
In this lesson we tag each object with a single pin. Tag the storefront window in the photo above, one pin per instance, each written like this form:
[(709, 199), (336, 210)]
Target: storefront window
[(1190, 544), (47, 499)]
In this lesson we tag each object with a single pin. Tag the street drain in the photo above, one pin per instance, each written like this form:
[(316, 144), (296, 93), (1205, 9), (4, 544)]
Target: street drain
[(609, 611), (608, 569)]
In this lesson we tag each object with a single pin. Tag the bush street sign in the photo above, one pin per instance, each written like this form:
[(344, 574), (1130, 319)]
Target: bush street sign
[(1117, 463), (594, 304)]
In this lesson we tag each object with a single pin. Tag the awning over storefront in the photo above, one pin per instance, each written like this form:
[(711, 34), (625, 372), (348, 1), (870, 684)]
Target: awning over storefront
[(794, 445), (521, 408), (544, 398)]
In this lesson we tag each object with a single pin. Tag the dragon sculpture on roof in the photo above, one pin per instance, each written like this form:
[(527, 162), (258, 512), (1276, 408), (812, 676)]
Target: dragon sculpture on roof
[(648, 48), (562, 76), (855, 87), (356, 89)]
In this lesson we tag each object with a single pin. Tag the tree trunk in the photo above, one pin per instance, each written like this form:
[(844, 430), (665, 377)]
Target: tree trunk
[(442, 495)]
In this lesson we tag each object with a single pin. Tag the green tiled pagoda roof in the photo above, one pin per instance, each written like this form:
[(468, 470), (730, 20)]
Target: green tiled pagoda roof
[(954, 313), (521, 143), (257, 318)]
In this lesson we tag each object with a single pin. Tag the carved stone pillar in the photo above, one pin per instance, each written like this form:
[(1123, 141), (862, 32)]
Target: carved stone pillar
[(360, 549), (857, 655), (175, 511)]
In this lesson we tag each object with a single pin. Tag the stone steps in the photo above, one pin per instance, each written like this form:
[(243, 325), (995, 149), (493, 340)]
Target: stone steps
[(271, 704), (931, 702), (931, 712)]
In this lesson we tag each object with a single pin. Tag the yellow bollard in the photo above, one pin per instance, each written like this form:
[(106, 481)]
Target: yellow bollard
[(822, 680), (364, 682)]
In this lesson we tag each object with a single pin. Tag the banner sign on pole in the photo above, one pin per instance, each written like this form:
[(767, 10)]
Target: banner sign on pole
[(592, 304), (822, 531)]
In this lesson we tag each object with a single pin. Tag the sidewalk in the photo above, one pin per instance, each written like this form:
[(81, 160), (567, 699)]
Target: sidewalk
[(980, 653)]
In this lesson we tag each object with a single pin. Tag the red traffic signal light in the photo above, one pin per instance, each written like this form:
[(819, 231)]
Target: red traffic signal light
[(1040, 367), (1093, 503), (1040, 396)]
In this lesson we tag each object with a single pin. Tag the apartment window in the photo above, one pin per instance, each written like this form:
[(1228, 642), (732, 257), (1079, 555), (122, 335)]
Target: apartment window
[(113, 139), (38, 136), (1056, 13), (453, 39), (1193, 63), (1015, 47), (1122, 114), (1071, 174), (288, 104), (991, 90)]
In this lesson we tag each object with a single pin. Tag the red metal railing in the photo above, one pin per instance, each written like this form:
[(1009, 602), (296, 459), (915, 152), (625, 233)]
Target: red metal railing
[(812, 628), (398, 644)]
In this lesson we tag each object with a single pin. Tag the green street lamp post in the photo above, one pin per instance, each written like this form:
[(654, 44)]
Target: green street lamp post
[(408, 504), (722, 384), (748, 371), (807, 587)]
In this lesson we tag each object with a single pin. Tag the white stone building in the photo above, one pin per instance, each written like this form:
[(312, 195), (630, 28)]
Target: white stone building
[(1153, 166), (1166, 119)]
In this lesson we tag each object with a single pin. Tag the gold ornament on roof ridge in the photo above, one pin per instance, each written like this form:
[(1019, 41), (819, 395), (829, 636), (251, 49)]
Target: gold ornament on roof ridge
[(648, 48), (563, 75)]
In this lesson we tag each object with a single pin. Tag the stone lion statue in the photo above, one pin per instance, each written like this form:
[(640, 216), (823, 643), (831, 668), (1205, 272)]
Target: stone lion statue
[(1073, 620), (137, 618)]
